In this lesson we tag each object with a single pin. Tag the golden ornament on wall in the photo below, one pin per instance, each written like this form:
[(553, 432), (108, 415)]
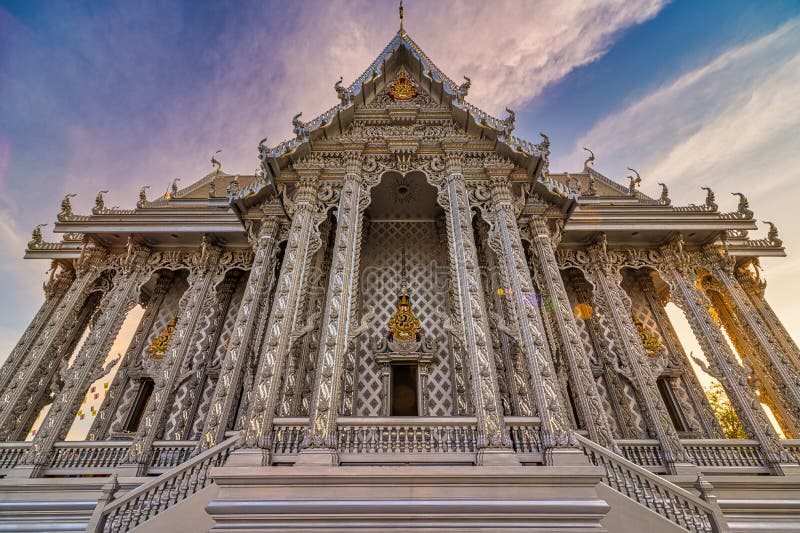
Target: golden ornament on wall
[(403, 324), (649, 341), (160, 344), (402, 88)]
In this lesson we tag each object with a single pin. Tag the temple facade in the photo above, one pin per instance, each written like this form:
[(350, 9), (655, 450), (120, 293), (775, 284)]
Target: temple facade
[(403, 319)]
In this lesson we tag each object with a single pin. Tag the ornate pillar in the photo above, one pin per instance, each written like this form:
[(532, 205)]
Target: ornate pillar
[(54, 290), (108, 410), (722, 364), (283, 325), (505, 240), (587, 397), (470, 327), (626, 423), (339, 321), (198, 300), (15, 399), (88, 364), (612, 302), (223, 404), (754, 289), (776, 362)]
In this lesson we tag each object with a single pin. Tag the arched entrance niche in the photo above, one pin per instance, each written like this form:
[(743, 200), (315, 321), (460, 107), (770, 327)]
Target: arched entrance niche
[(403, 247)]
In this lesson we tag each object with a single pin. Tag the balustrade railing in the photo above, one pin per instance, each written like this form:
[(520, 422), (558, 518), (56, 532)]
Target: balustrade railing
[(88, 457), (725, 453), (10, 454), (793, 447), (645, 453), (287, 436), (657, 494), (524, 433), (167, 490), (170, 453), (451, 436)]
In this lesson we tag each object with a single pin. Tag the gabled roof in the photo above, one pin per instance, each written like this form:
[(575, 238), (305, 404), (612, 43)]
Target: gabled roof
[(403, 50)]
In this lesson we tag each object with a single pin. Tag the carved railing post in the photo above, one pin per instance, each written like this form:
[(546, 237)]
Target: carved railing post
[(55, 289), (471, 325), (754, 289), (16, 397), (106, 414), (774, 360), (612, 303), (88, 364), (721, 362), (223, 404), (198, 300), (284, 319), (566, 329), (339, 318)]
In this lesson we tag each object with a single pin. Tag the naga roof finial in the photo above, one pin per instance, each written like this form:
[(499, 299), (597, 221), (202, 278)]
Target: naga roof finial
[(99, 203), (772, 234), (142, 197), (589, 160), (635, 182), (215, 162), (66, 207), (710, 197), (36, 236), (744, 205), (665, 199)]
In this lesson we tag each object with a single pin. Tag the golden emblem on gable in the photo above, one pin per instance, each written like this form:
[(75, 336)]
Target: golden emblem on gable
[(649, 341), (403, 324), (160, 344), (402, 88)]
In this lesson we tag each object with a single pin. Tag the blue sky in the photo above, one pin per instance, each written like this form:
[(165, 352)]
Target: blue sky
[(115, 95)]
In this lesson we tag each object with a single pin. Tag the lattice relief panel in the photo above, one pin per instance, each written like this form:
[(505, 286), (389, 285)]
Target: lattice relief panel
[(166, 312), (426, 273)]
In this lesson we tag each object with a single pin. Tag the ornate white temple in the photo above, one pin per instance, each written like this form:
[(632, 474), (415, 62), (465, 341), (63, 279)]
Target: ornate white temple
[(402, 321)]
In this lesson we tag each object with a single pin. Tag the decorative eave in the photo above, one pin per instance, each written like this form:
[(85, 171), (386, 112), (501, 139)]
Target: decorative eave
[(628, 222), (334, 122)]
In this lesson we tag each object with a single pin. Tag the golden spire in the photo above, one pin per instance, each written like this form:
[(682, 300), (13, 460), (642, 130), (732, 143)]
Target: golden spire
[(402, 30)]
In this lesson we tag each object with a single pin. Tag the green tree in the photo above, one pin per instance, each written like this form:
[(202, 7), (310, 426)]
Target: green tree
[(724, 412)]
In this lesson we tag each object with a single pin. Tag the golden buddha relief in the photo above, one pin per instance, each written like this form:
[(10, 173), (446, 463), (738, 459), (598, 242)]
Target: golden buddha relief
[(402, 88)]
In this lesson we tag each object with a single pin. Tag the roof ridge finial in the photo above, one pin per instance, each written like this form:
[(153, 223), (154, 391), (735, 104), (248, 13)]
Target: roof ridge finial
[(402, 29)]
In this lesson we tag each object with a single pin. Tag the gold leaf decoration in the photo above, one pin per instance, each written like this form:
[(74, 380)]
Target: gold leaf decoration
[(402, 88), (649, 341), (403, 324), (160, 344)]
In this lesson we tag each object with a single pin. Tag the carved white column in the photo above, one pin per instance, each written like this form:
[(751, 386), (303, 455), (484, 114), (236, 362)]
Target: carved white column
[(583, 385), (17, 394), (54, 291), (776, 361), (754, 289), (108, 410), (612, 302), (339, 320), (470, 327), (505, 240), (198, 299), (88, 364), (283, 325), (223, 405), (722, 363)]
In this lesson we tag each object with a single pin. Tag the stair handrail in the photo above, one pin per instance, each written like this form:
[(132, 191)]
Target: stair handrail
[(665, 498), (179, 493)]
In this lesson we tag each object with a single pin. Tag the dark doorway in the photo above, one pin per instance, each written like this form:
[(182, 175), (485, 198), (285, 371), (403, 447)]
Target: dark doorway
[(140, 405), (404, 390)]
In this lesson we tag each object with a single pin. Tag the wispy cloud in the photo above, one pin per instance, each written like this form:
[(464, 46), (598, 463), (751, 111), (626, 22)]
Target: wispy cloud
[(732, 124), (115, 98)]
